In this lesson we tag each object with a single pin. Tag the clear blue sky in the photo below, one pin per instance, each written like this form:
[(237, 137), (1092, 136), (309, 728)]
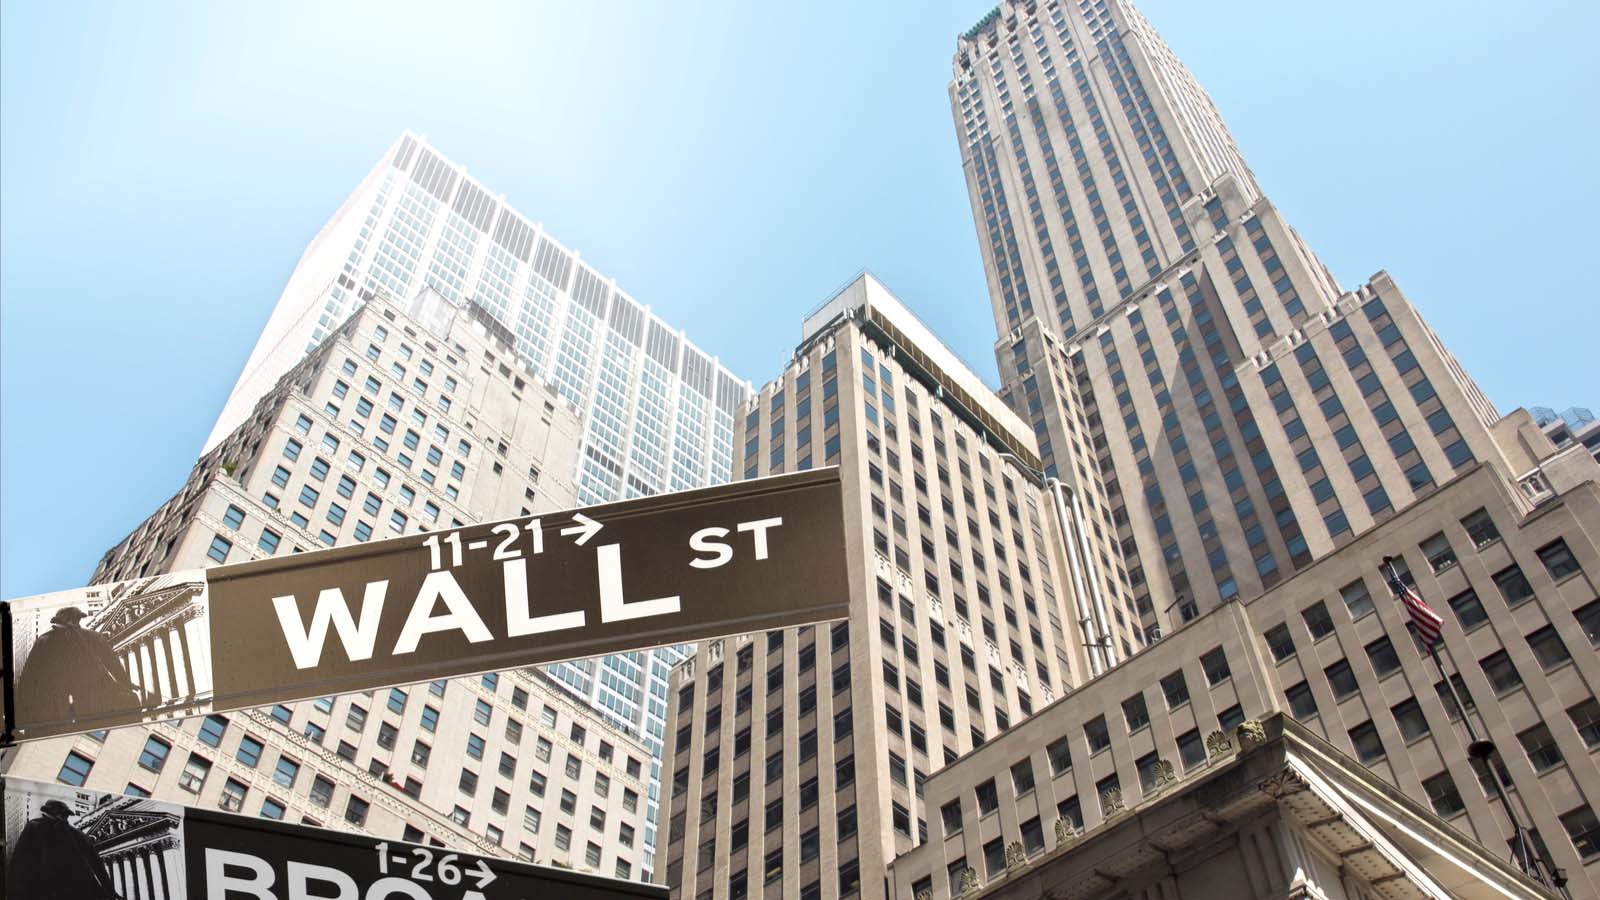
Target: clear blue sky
[(162, 165)]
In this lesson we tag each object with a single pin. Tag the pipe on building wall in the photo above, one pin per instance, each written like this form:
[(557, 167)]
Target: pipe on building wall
[(1080, 591)]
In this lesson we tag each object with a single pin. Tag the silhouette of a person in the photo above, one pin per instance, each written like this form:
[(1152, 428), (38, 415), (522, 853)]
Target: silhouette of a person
[(72, 673), (53, 859)]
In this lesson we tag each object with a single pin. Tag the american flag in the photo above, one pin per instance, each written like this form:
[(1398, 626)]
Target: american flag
[(1423, 618)]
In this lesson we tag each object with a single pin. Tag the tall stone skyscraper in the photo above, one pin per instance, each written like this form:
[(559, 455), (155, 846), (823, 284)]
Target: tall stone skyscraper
[(657, 412), (1179, 350), (797, 758), (404, 419)]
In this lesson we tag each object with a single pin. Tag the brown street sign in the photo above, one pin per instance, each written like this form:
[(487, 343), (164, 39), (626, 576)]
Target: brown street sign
[(63, 841), (673, 568)]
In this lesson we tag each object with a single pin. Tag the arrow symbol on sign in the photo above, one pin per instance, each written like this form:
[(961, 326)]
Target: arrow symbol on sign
[(585, 529), (484, 873)]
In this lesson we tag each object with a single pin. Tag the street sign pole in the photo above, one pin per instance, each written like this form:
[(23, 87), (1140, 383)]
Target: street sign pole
[(672, 568)]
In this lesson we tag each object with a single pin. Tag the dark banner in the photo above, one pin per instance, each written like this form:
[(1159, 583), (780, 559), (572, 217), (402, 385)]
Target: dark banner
[(65, 842), (668, 569)]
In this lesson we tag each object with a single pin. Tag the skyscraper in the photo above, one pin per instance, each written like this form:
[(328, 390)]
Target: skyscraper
[(1245, 415), (798, 756), (403, 419), (657, 412), (1221, 445)]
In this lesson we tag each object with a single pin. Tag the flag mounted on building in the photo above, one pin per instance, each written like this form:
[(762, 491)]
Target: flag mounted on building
[(1426, 622)]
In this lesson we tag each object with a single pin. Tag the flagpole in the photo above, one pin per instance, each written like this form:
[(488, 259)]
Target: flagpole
[(1484, 750)]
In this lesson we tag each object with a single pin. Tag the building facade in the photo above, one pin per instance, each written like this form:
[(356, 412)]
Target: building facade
[(657, 413), (1246, 414), (1330, 649), (1275, 813), (403, 419), (798, 757), (1573, 425)]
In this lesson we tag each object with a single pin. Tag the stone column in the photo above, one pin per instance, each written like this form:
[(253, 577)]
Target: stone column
[(180, 639), (142, 875), (152, 690)]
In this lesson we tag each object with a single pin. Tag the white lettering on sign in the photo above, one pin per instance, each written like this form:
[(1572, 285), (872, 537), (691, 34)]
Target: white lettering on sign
[(235, 876), (709, 540), (758, 529), (613, 608), (301, 875), (305, 642), (222, 886), (359, 633), (701, 542), (461, 617), (518, 621)]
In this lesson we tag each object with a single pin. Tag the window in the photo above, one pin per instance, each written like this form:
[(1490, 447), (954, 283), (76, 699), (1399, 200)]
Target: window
[(950, 814), (249, 751), (1442, 795), (1588, 617), (211, 730), (1439, 553), (233, 794), (1584, 829), (1548, 648), (1317, 620), (1175, 689), (1383, 656), (355, 810), (1368, 746), (1540, 745), (1502, 674), (1341, 678), (994, 857), (271, 809), (75, 769), (1468, 609), (1135, 712), (219, 548), (1408, 715), (1279, 641), (1558, 559), (1215, 664), (1480, 528), (194, 774), (1191, 749), (233, 517), (1586, 719), (321, 791), (1302, 703), (286, 772), (1357, 598), (1098, 735), (1513, 585), (988, 798), (1022, 777), (1060, 753)]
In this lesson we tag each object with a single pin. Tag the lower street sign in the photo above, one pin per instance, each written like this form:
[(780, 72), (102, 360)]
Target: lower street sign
[(672, 568), (62, 841)]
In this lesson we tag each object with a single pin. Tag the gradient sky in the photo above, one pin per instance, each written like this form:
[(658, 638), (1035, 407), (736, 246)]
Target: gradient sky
[(162, 166)]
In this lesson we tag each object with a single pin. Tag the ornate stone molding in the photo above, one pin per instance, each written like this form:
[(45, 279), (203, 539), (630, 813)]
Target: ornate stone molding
[(1165, 774), (1218, 745), (1111, 801), (1065, 833), (1282, 783), (1016, 857), (1250, 734)]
